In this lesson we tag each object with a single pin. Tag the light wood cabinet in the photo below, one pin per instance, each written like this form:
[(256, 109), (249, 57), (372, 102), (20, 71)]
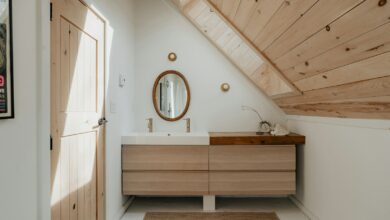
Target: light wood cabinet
[(234, 164), (136, 158), (251, 183), (166, 183), (252, 158)]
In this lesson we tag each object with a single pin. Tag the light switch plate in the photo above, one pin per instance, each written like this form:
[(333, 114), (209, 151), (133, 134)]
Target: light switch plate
[(122, 80)]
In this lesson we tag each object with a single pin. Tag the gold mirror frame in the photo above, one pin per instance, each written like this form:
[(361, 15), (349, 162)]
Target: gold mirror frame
[(154, 96)]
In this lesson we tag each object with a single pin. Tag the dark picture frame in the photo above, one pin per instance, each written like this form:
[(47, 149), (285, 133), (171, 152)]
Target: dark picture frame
[(7, 106)]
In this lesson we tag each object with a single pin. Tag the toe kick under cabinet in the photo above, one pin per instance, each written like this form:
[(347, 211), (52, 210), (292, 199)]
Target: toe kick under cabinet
[(233, 164)]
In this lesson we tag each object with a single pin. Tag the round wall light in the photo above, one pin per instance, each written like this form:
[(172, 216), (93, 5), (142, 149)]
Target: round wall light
[(225, 87), (172, 57)]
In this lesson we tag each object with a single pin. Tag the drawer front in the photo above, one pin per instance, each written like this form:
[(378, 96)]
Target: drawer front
[(166, 183), (252, 158), (164, 158), (252, 183)]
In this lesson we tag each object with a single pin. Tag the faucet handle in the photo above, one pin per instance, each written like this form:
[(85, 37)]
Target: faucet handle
[(188, 122), (150, 124)]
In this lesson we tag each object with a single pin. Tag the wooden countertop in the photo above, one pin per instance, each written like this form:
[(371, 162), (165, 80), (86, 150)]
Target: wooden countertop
[(251, 138)]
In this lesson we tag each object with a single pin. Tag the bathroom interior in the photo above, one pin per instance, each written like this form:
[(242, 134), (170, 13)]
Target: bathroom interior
[(196, 109)]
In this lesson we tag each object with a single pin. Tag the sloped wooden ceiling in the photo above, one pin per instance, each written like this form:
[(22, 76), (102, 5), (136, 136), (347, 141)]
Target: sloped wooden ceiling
[(312, 57)]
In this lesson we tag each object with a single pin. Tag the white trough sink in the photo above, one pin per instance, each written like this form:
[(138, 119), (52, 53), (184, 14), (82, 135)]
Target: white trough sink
[(167, 138)]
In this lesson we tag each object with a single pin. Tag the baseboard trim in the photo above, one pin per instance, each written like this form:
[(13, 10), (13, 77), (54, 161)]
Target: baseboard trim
[(124, 208), (305, 211)]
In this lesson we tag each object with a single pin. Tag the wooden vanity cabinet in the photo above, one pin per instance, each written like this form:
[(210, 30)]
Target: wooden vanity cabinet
[(252, 158), (161, 183), (173, 158), (165, 170), (252, 170), (234, 164)]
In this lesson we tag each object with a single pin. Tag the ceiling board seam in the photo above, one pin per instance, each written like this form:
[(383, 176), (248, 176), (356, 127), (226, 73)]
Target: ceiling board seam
[(288, 53), (251, 14), (308, 93), (236, 9), (357, 81), (316, 32), (357, 61), (280, 35), (269, 20), (347, 100), (346, 42), (254, 48)]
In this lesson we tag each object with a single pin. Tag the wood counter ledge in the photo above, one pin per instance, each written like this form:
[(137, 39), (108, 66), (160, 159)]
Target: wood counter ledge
[(251, 138)]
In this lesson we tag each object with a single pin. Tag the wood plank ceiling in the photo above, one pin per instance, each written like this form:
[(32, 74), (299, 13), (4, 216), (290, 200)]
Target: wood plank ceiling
[(312, 57)]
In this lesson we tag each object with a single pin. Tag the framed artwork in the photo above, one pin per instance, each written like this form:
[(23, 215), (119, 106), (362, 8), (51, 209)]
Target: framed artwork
[(6, 64)]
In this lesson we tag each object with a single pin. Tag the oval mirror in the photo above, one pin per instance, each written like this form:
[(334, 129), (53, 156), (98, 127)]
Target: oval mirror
[(171, 95)]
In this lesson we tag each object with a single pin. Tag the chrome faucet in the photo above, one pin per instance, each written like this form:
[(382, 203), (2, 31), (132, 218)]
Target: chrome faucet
[(150, 124), (188, 124)]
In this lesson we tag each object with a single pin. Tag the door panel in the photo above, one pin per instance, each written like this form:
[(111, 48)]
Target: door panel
[(78, 176), (77, 105)]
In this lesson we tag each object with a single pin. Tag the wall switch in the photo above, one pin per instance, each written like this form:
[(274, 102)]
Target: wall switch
[(122, 80)]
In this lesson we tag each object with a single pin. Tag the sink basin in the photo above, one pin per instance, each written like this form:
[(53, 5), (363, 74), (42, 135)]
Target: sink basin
[(167, 138)]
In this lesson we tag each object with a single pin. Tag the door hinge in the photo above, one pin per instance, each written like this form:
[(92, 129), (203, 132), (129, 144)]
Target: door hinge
[(51, 11), (51, 143)]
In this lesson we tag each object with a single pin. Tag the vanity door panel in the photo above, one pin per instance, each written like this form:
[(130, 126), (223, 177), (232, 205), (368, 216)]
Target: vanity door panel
[(252, 157), (164, 158), (166, 183), (252, 183)]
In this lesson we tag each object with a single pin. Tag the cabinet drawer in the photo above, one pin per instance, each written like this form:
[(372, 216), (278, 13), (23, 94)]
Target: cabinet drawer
[(252, 183), (166, 183), (252, 158), (164, 158)]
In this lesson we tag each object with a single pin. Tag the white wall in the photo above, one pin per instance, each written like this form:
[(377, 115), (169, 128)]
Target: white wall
[(160, 29), (343, 170), (119, 15), (19, 136), (24, 146)]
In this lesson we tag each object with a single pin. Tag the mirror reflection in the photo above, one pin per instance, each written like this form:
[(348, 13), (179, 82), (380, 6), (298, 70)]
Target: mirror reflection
[(171, 95)]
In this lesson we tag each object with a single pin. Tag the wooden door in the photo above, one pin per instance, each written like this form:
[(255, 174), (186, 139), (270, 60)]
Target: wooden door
[(77, 158)]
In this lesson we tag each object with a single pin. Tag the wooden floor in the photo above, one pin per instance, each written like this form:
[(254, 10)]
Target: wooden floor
[(283, 207)]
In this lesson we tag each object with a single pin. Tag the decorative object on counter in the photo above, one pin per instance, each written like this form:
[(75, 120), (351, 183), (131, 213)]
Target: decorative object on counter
[(264, 126), (171, 95), (225, 87), (6, 61), (172, 57), (279, 130)]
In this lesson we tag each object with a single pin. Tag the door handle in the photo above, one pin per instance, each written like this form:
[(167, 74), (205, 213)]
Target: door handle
[(102, 121)]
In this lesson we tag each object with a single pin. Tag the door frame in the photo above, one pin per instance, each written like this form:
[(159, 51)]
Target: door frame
[(101, 155)]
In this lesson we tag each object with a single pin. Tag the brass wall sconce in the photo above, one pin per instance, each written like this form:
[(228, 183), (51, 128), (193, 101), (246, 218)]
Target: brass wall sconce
[(172, 57), (225, 87)]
